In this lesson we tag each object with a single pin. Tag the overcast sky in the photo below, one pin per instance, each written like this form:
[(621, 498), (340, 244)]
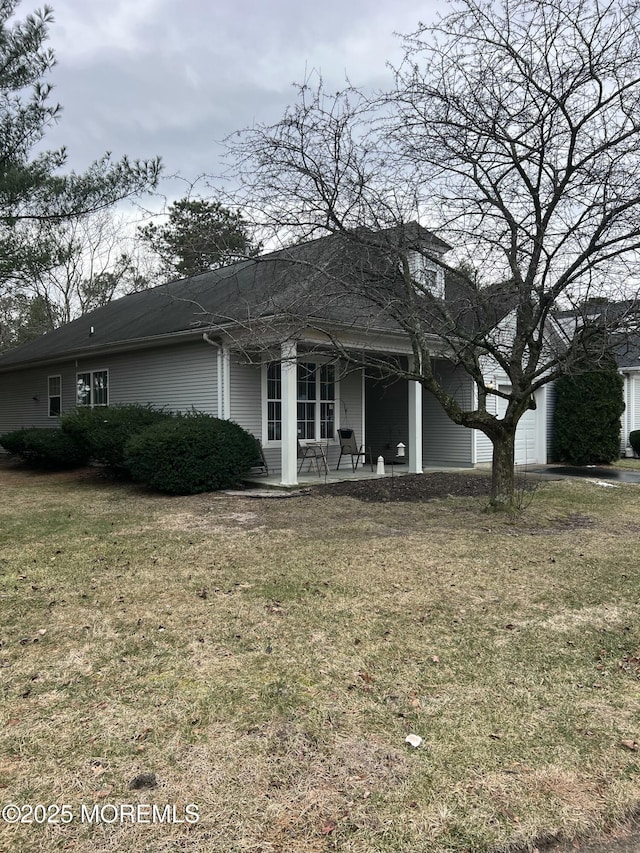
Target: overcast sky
[(174, 77)]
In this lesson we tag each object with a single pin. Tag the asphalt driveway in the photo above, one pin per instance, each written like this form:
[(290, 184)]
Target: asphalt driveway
[(594, 472)]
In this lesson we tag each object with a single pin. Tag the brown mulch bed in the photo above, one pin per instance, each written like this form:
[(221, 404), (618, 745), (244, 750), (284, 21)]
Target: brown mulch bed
[(410, 487)]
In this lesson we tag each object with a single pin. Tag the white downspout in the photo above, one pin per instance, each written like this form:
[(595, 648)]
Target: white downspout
[(219, 377)]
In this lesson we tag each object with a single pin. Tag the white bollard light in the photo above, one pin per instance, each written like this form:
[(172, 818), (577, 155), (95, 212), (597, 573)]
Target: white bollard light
[(380, 467)]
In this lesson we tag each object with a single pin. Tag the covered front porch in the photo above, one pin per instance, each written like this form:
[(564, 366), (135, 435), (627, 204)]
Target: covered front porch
[(292, 472)]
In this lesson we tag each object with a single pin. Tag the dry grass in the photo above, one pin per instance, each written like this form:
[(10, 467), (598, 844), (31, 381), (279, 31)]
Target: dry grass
[(266, 660), (632, 463)]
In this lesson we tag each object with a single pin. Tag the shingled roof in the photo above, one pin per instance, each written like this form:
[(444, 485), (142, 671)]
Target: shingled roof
[(308, 281)]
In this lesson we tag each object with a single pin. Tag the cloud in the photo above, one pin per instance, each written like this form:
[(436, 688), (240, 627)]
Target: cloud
[(174, 77), (83, 30)]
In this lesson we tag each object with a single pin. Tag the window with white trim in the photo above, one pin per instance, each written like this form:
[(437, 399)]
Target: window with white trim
[(315, 401), (426, 273), (274, 401), (54, 391), (92, 388)]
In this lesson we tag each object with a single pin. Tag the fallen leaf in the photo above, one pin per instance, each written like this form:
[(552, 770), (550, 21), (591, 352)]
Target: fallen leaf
[(328, 828)]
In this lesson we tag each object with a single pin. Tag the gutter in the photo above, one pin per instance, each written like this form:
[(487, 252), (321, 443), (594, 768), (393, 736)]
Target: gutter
[(98, 349)]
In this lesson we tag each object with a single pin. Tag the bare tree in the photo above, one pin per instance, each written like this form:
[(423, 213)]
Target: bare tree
[(513, 130), (93, 259)]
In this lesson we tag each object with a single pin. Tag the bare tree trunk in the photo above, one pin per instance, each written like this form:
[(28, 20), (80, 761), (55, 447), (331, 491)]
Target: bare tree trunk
[(503, 477)]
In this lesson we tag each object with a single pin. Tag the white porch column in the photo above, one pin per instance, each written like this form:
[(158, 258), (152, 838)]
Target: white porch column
[(415, 427), (289, 415)]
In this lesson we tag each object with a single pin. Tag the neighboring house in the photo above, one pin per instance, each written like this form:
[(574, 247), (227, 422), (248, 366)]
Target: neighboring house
[(270, 343)]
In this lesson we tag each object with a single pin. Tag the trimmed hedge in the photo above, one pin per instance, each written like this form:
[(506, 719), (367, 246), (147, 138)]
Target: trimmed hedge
[(191, 453), (105, 430), (634, 441), (45, 448), (587, 416)]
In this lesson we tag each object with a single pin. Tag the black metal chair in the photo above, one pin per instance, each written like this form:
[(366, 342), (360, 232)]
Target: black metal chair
[(349, 447)]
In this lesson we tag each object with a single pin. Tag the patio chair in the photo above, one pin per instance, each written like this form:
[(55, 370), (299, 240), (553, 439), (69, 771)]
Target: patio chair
[(261, 464), (349, 447), (314, 455)]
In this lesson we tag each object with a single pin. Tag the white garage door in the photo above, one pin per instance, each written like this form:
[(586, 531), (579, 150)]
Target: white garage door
[(525, 451)]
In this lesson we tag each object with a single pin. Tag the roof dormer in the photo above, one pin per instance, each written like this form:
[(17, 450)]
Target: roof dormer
[(426, 273)]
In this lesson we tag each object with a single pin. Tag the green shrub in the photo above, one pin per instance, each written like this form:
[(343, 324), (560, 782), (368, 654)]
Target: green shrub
[(105, 430), (587, 416), (634, 441), (191, 453), (45, 448)]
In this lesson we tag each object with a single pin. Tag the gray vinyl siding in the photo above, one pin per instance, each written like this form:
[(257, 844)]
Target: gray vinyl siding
[(245, 396), (443, 442), (177, 378), (349, 412), (245, 405), (24, 400)]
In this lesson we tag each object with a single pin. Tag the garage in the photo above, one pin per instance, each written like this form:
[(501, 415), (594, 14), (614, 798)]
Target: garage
[(526, 449)]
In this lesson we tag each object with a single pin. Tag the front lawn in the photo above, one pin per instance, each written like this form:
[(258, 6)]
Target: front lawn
[(266, 659)]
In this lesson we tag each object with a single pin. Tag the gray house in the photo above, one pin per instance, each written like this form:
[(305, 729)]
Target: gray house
[(272, 343)]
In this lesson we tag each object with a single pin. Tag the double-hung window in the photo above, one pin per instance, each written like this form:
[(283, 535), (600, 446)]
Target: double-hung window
[(426, 274), (274, 401), (92, 388), (315, 401), (55, 396)]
